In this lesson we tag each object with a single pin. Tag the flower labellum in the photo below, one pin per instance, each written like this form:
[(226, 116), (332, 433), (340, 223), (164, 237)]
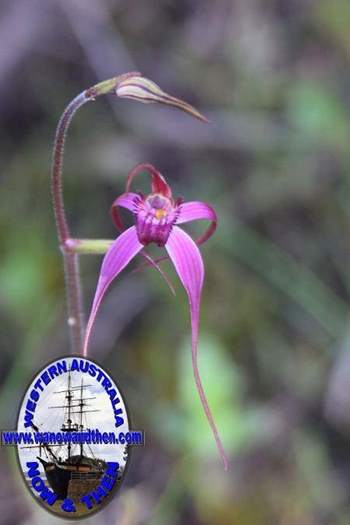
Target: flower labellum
[(157, 219)]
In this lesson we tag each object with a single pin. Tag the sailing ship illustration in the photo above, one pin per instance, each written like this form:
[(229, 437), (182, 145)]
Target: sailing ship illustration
[(73, 469)]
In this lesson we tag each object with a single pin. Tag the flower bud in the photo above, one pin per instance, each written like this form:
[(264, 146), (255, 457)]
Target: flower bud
[(144, 90)]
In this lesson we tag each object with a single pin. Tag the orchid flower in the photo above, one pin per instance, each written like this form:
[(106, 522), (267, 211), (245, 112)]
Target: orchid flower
[(157, 218), (132, 86)]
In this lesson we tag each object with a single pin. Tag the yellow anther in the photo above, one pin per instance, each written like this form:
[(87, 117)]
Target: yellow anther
[(160, 213)]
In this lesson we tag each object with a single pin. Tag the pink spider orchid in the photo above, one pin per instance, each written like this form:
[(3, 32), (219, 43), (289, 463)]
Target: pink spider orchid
[(157, 217)]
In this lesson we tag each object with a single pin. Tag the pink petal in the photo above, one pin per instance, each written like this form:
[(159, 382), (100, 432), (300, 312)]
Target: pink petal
[(159, 184), (123, 249), (191, 211), (126, 200), (188, 263)]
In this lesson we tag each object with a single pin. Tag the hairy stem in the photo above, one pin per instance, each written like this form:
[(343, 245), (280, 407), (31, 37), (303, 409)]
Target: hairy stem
[(70, 259)]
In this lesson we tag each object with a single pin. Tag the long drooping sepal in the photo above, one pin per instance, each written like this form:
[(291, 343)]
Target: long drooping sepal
[(188, 263), (196, 210), (123, 249)]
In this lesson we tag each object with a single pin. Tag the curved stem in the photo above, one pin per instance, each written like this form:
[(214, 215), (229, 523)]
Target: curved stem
[(56, 175), (70, 260)]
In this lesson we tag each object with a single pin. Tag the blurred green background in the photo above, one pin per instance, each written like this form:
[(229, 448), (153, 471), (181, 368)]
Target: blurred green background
[(273, 78)]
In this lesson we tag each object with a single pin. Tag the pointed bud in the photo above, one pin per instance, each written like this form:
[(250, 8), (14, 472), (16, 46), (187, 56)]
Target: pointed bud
[(144, 90)]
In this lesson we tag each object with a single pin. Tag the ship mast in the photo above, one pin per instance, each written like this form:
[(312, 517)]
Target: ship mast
[(81, 404), (68, 428), (69, 424)]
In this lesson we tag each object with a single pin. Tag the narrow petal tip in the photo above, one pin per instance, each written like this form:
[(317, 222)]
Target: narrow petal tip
[(226, 462)]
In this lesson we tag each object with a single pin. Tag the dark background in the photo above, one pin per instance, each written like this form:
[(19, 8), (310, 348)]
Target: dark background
[(273, 78)]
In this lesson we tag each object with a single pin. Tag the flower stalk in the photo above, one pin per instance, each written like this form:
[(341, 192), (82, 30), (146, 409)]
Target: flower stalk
[(70, 259), (88, 246)]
